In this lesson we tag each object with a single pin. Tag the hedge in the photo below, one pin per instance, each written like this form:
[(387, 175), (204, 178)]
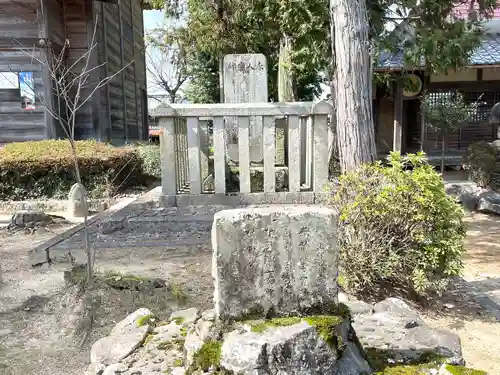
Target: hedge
[(45, 169)]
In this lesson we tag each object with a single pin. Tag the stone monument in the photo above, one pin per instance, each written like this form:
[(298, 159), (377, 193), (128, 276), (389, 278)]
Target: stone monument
[(245, 81), (278, 260)]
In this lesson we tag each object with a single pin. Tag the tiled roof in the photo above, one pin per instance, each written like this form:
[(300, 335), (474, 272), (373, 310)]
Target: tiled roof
[(462, 10), (488, 53)]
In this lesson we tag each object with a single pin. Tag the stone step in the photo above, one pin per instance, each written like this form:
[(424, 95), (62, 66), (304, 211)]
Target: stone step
[(142, 249)]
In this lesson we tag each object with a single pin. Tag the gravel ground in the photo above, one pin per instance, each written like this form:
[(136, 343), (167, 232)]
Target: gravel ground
[(43, 321)]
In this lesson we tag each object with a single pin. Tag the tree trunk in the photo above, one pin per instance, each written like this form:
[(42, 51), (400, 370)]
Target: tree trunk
[(356, 134), (333, 143), (443, 148)]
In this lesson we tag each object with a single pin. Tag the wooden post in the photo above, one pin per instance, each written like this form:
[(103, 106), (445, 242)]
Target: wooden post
[(43, 33), (398, 116), (423, 132), (134, 65), (95, 56), (122, 74), (106, 127), (423, 126)]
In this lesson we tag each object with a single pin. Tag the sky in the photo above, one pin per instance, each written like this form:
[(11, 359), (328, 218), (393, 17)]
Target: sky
[(152, 20)]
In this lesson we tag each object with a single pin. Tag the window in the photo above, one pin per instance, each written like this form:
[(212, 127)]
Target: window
[(9, 80), (27, 86), (18, 86)]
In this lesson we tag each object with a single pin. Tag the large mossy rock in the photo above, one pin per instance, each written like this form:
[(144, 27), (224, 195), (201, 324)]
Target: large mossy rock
[(191, 343), (392, 340)]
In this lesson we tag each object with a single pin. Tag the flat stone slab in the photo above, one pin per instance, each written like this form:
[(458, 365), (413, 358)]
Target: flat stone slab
[(125, 337), (274, 261), (397, 330)]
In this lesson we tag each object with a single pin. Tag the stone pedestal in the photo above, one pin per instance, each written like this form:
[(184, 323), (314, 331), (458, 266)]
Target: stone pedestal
[(274, 261)]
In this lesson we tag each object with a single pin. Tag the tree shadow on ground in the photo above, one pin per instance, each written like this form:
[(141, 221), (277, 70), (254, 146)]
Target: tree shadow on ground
[(460, 301)]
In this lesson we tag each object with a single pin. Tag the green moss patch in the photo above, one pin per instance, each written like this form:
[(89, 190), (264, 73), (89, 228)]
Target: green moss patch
[(178, 320), (403, 370), (325, 326), (384, 363), (423, 369), (148, 339), (178, 362), (184, 331), (208, 356), (460, 370), (145, 319), (120, 281)]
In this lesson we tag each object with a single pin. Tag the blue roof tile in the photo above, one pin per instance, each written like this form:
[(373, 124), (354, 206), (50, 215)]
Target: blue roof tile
[(488, 53)]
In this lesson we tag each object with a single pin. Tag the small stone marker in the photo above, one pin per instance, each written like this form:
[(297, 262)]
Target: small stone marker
[(245, 81), (77, 201), (26, 217), (274, 260)]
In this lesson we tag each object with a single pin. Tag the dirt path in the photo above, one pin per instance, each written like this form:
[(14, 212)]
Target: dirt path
[(478, 329), (44, 326)]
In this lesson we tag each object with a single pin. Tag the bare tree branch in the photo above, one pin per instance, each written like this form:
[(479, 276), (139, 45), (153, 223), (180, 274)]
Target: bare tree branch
[(73, 86), (166, 63)]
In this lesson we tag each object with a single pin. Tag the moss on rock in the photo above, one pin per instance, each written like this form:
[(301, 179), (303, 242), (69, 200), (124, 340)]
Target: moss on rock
[(208, 356), (178, 320), (460, 370), (325, 326), (423, 369), (145, 319), (148, 339), (385, 362), (403, 370), (381, 360), (179, 362), (120, 281)]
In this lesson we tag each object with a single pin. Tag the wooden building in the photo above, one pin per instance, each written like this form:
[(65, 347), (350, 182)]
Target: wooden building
[(117, 112), (398, 121)]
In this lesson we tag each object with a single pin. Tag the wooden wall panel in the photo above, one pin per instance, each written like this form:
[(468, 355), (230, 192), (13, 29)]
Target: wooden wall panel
[(111, 19), (18, 19), (55, 21), (76, 18), (140, 68), (117, 111)]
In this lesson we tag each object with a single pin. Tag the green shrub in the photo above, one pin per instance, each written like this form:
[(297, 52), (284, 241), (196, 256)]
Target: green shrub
[(398, 228), (150, 159), (45, 169), (480, 160)]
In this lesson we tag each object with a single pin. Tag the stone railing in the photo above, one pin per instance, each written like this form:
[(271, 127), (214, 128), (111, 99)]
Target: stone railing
[(191, 150)]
